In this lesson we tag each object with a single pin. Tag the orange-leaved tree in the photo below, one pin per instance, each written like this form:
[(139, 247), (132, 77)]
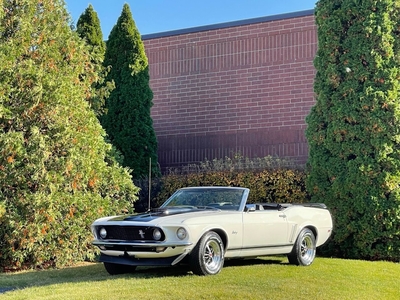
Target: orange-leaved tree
[(56, 176)]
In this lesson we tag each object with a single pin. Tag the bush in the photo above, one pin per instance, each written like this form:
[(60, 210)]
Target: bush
[(269, 179), (237, 163)]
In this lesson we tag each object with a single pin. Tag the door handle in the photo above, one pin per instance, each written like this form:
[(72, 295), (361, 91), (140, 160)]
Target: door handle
[(282, 216)]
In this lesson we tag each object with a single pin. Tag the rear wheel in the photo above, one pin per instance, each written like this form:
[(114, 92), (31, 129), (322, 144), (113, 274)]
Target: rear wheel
[(304, 249), (115, 269), (207, 258)]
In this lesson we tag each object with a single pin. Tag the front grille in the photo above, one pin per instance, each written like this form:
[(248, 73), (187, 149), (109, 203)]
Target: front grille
[(129, 233)]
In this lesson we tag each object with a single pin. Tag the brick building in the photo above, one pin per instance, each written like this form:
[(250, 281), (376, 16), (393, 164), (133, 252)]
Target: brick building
[(239, 87)]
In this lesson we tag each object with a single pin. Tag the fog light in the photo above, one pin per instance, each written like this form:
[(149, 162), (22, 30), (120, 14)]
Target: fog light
[(103, 233), (181, 233), (160, 249), (157, 234)]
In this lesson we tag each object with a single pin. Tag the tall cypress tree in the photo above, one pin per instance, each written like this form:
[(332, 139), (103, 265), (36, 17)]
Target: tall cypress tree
[(54, 177), (354, 128), (88, 28), (127, 119)]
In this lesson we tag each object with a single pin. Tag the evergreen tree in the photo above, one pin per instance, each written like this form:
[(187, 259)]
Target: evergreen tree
[(54, 177), (88, 28), (354, 127), (127, 119)]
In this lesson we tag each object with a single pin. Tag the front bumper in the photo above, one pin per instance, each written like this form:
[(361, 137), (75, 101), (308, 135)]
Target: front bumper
[(142, 253), (141, 246)]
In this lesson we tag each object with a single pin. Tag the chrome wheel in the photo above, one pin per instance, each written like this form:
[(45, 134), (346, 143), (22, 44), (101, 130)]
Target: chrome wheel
[(304, 249), (307, 249), (212, 256), (207, 258)]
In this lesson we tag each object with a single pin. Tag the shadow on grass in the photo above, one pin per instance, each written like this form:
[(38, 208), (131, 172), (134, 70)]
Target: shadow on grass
[(95, 272), (184, 269), (256, 261)]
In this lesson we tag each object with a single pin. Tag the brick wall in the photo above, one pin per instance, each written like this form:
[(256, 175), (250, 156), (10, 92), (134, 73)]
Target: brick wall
[(236, 87)]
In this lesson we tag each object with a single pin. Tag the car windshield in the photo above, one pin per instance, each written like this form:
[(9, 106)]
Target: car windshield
[(221, 198)]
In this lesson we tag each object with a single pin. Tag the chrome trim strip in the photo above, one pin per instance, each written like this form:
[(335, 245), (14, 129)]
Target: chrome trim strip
[(180, 257), (140, 245), (259, 247)]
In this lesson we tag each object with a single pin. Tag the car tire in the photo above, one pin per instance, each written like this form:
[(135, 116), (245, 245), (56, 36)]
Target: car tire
[(207, 258), (115, 269), (304, 249)]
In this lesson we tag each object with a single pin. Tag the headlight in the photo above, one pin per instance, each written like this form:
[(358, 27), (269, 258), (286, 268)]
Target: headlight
[(103, 233), (157, 234), (181, 233)]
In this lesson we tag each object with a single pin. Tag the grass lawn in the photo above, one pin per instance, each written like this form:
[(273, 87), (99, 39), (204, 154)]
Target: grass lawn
[(264, 278)]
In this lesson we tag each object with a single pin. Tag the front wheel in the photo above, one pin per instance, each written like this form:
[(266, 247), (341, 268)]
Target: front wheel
[(207, 258), (115, 269), (304, 249)]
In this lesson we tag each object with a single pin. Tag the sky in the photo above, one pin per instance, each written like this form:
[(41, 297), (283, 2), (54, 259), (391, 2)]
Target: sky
[(155, 16)]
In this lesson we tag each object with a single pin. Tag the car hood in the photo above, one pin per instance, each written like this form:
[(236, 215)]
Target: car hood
[(160, 214)]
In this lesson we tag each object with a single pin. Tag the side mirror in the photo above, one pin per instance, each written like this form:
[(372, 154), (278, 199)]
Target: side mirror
[(250, 207)]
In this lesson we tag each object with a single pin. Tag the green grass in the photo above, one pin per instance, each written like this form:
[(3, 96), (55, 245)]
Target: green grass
[(266, 278)]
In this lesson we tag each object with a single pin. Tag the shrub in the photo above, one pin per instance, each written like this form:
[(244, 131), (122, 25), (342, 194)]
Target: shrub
[(264, 177)]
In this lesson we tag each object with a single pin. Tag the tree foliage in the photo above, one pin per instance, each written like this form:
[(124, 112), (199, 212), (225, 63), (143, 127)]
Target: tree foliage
[(354, 128), (127, 119), (267, 186), (88, 28), (55, 175)]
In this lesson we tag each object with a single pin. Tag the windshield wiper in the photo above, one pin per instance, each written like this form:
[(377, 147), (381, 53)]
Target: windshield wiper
[(207, 207)]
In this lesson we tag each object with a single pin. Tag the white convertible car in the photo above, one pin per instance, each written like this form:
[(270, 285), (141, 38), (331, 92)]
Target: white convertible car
[(203, 226)]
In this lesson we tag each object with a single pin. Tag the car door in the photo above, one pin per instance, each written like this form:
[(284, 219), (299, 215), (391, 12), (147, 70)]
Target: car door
[(265, 228)]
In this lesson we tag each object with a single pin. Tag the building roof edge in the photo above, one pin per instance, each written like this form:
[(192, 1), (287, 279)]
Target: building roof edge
[(291, 15)]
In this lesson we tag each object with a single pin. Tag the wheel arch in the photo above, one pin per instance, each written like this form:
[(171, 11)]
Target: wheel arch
[(222, 234), (313, 229)]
